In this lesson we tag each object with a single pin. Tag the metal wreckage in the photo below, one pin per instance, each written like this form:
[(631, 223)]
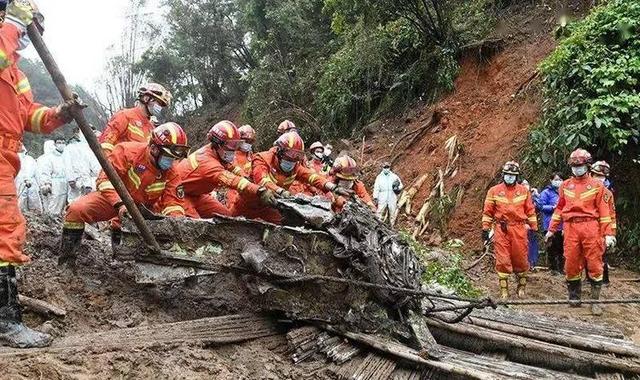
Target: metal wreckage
[(347, 290)]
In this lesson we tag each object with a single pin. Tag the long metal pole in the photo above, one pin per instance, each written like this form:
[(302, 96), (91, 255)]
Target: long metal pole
[(67, 94)]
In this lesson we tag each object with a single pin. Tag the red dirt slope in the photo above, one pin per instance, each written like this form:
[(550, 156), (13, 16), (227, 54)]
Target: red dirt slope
[(489, 113)]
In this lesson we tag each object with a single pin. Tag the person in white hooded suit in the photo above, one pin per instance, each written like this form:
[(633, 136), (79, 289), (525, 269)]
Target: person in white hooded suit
[(52, 178), (81, 167), (385, 192), (27, 184)]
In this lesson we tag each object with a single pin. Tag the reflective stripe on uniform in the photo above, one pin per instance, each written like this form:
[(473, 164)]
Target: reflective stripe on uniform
[(135, 130), (487, 219), (490, 200), (569, 193), (133, 176), (23, 86), (575, 278), (237, 170), (589, 193), (156, 186), (556, 217), (4, 60), (107, 146), (312, 178), (243, 184), (606, 219), (533, 219), (519, 199), (170, 209), (499, 199), (106, 185), (74, 225), (36, 119), (6, 264), (193, 160)]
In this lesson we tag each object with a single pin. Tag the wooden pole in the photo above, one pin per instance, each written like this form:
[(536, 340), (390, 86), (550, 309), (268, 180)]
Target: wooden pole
[(65, 91)]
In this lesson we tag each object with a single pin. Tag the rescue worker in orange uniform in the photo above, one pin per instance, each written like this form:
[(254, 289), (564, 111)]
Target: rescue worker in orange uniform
[(600, 171), (345, 174), (317, 159), (588, 227), (135, 124), (149, 172), (209, 168), (18, 113), (242, 162), (276, 169), (296, 187), (509, 209)]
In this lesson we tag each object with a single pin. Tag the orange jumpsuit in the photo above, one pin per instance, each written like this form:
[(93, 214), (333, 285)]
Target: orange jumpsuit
[(202, 173), (131, 124), (360, 191), (160, 191), (241, 167), (266, 172), (511, 210), (609, 198), (587, 219), (18, 113)]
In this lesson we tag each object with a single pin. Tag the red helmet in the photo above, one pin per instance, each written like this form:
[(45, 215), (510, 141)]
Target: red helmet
[(156, 91), (601, 168), (316, 145), (171, 140), (345, 167), (580, 157), (290, 146), (287, 126), (247, 133), (225, 135), (511, 167)]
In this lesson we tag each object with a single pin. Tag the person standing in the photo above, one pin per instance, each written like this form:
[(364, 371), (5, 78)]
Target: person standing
[(546, 204), (534, 248), (52, 177), (600, 171), (509, 207), (588, 227), (386, 189), (81, 167), (18, 113), (27, 184)]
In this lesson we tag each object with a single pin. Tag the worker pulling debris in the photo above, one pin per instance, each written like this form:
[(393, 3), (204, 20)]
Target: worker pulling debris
[(151, 176), (583, 209), (345, 174), (508, 209), (18, 113)]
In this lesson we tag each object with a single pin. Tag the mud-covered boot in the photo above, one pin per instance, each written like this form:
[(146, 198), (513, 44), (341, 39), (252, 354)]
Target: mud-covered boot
[(12, 332), (575, 292), (69, 244), (596, 309), (504, 287), (605, 274), (522, 284)]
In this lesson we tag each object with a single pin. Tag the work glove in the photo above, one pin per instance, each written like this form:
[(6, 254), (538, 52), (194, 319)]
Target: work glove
[(610, 241), (282, 193), (547, 237), (65, 110), (20, 11), (45, 189), (27, 183), (485, 237), (338, 190), (72, 184), (267, 197), (122, 212)]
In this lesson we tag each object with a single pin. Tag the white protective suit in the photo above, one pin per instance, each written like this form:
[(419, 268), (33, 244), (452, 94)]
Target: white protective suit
[(51, 172), (81, 168), (385, 196), (27, 184)]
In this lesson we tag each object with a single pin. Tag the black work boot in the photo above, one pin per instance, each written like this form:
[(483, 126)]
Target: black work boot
[(596, 286), (12, 332), (575, 292), (116, 238), (71, 239)]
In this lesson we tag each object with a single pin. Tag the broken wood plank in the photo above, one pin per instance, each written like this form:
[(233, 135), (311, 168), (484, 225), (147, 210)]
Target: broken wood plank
[(219, 330), (41, 307), (374, 367)]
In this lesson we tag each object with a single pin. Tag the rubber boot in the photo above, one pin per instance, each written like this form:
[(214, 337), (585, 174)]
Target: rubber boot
[(522, 284), (69, 244), (504, 287), (575, 292), (12, 332), (605, 268), (596, 309)]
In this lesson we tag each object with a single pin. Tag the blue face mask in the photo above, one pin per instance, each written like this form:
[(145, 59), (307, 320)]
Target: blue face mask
[(510, 179), (386, 171), (287, 166), (165, 163), (246, 147), (155, 109), (227, 155)]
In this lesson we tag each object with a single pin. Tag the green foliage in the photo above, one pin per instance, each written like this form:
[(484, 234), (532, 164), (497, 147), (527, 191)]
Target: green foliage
[(592, 97), (449, 274)]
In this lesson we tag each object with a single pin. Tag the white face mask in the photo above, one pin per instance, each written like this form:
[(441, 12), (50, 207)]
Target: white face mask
[(327, 152), (556, 183), (510, 179), (23, 42), (579, 171), (386, 170), (318, 154), (60, 147)]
